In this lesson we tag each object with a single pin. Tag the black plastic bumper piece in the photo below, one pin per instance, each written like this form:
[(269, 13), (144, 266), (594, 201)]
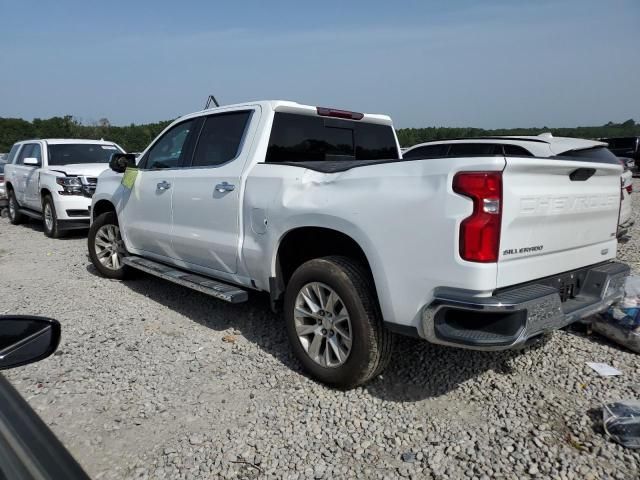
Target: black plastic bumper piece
[(511, 317)]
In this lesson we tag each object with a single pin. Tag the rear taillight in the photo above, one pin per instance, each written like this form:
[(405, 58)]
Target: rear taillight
[(480, 232), (1, 178), (628, 187)]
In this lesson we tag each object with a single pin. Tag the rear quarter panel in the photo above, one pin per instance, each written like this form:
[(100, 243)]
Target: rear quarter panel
[(404, 215)]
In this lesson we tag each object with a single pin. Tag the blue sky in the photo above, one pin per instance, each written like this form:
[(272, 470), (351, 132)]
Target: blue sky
[(490, 63)]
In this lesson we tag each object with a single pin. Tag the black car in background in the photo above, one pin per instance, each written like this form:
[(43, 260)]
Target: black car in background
[(625, 147)]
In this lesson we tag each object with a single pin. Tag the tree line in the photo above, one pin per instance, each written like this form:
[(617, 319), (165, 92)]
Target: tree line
[(134, 138)]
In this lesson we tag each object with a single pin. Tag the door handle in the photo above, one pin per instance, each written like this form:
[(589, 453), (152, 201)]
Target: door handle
[(163, 186), (225, 187)]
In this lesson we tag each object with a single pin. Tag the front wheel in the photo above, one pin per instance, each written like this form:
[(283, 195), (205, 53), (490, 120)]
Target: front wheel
[(15, 217), (106, 248), (50, 219), (334, 322)]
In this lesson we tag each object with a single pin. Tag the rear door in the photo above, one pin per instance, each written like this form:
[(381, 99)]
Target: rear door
[(207, 193), (558, 214), (146, 217)]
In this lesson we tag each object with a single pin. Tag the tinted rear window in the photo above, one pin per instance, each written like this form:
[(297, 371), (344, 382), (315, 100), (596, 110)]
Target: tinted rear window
[(303, 138), (428, 151), (70, 153), (595, 154), (516, 151), (474, 149)]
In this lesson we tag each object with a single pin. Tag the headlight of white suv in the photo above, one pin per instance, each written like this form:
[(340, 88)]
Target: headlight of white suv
[(70, 185)]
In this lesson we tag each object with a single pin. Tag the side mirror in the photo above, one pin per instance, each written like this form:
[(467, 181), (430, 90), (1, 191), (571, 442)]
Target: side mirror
[(31, 161), (120, 161), (25, 339)]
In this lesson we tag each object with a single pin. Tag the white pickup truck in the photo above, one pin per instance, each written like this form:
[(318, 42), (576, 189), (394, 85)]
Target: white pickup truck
[(317, 207), (53, 180)]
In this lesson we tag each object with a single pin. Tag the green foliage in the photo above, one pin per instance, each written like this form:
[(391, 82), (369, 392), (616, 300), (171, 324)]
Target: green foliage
[(134, 138), (412, 136)]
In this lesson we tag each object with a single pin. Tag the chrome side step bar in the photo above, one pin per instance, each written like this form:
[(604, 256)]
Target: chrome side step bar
[(30, 213), (214, 288)]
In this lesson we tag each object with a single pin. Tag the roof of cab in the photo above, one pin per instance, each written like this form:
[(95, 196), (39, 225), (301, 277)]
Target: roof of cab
[(285, 106)]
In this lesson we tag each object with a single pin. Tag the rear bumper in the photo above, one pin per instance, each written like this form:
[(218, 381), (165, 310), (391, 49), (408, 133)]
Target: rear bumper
[(512, 316)]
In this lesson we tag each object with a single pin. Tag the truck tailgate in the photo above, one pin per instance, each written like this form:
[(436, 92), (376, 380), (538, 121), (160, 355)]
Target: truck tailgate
[(558, 215)]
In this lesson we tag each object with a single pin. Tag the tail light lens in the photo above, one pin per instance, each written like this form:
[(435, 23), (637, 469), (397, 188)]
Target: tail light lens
[(628, 187), (480, 232), (1, 178)]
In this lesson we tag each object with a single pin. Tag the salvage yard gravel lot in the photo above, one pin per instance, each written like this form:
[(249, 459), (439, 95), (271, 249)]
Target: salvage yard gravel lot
[(152, 380)]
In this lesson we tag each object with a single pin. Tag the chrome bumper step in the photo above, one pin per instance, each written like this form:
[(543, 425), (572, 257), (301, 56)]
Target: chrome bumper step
[(214, 288)]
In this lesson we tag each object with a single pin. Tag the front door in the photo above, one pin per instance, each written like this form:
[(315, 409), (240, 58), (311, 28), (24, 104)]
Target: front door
[(32, 181), (23, 175), (145, 219), (206, 196)]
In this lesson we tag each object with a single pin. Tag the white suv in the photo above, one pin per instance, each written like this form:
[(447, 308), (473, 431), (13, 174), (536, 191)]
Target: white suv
[(53, 180)]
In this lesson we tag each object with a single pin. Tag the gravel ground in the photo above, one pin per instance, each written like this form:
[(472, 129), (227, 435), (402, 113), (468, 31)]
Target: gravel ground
[(152, 380)]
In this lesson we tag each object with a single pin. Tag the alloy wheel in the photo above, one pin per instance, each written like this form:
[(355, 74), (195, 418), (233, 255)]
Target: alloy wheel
[(109, 246), (48, 217), (323, 325), (12, 207)]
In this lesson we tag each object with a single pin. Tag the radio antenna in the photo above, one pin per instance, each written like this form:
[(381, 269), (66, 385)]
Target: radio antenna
[(211, 100)]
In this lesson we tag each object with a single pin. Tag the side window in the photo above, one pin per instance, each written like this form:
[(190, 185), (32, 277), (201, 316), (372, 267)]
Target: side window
[(517, 151), (25, 152), (167, 151), (13, 152), (428, 151), (36, 152), (474, 149), (220, 138)]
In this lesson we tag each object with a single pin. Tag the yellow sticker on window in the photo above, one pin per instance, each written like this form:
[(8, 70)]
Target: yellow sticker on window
[(129, 177)]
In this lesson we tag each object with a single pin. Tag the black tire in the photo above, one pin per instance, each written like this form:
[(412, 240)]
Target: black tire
[(105, 219), (52, 231), (16, 217), (372, 343)]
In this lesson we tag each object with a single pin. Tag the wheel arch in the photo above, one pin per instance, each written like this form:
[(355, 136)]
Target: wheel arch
[(102, 206), (302, 243)]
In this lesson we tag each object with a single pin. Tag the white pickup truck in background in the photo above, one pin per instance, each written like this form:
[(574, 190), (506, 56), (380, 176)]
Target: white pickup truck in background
[(544, 145), (53, 180), (317, 207)]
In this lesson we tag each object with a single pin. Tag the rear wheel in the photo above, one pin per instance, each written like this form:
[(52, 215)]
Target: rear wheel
[(15, 217), (49, 218), (106, 248), (334, 322)]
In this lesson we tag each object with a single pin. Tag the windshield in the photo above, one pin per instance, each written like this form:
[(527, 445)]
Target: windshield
[(70, 153)]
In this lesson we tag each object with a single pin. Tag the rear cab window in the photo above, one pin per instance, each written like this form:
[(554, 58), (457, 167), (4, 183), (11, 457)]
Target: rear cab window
[(297, 138)]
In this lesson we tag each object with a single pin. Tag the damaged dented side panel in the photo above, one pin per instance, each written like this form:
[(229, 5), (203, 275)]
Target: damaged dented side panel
[(403, 215)]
